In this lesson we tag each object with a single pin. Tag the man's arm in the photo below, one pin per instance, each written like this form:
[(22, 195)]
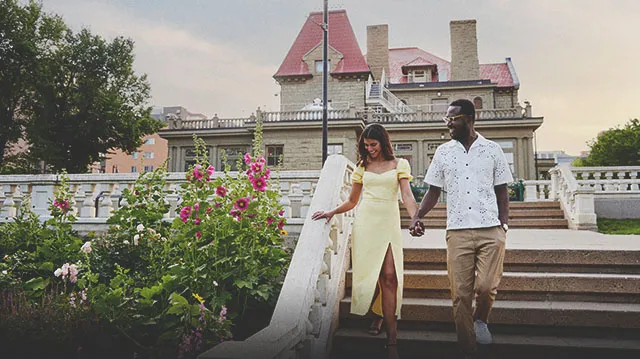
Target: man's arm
[(502, 196), (428, 202)]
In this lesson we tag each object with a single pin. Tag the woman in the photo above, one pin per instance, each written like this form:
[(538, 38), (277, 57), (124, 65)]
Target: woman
[(377, 257)]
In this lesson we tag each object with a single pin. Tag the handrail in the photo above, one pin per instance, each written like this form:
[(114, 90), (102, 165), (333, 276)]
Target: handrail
[(576, 202), (306, 313)]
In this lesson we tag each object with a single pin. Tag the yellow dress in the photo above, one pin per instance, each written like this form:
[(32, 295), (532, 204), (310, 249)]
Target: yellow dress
[(377, 225)]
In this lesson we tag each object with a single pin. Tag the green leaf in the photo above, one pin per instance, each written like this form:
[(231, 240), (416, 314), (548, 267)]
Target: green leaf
[(35, 284)]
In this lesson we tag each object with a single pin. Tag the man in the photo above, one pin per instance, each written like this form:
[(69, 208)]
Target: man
[(474, 172)]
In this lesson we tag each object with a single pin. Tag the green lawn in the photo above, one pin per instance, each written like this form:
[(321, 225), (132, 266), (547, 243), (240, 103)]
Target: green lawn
[(619, 226)]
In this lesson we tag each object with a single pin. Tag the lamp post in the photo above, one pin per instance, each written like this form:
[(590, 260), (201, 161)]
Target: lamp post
[(325, 131)]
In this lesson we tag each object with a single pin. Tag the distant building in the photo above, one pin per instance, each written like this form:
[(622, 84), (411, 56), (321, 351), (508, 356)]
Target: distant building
[(406, 89), (153, 152)]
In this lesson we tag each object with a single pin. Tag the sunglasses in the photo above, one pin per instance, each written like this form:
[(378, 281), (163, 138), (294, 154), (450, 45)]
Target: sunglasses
[(452, 118)]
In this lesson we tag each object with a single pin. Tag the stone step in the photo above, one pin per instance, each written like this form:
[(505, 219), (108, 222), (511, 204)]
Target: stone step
[(524, 313), (434, 344), (531, 286), (539, 223), (538, 260), (516, 205)]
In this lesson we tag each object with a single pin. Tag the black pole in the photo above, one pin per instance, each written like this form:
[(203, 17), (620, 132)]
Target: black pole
[(325, 70)]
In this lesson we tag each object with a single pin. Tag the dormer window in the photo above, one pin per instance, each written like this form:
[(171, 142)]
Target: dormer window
[(319, 67), (418, 76)]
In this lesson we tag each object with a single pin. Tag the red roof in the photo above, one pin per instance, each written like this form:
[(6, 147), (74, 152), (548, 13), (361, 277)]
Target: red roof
[(402, 57), (341, 38)]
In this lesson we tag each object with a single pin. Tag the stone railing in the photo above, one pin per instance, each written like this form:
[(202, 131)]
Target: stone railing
[(307, 115), (306, 314), (577, 203), (96, 196), (436, 116), (610, 180), (539, 190)]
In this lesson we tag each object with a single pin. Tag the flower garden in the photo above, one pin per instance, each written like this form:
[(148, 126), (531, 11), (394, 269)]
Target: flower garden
[(146, 288)]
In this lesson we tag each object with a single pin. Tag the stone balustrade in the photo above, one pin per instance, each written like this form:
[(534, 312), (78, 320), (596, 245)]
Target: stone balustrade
[(96, 196), (539, 190)]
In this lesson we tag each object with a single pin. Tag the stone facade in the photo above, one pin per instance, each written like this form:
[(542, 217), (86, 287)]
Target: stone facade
[(464, 51), (341, 93), (378, 49)]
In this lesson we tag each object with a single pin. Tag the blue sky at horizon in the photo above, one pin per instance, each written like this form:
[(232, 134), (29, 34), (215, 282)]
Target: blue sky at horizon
[(576, 60)]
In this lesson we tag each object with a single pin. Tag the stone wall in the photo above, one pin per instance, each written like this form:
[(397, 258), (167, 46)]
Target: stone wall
[(378, 49), (420, 98), (464, 51), (340, 93)]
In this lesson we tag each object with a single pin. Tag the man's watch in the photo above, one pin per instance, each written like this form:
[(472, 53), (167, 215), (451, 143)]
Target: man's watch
[(505, 227)]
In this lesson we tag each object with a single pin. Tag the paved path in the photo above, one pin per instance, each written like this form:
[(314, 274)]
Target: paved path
[(539, 239)]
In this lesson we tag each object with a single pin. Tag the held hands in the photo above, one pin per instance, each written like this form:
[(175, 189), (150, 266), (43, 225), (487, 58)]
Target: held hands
[(416, 228), (322, 214)]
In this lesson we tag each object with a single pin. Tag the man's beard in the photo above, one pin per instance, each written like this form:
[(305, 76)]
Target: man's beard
[(461, 134)]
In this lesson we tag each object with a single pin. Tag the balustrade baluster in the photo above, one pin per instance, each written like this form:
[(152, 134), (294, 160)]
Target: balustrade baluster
[(105, 207), (284, 199), (8, 205)]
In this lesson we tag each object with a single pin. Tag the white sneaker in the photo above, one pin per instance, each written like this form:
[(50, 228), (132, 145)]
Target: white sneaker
[(483, 335)]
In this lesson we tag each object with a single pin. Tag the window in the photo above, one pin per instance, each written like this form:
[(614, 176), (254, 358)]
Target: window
[(402, 147), (148, 168), (507, 148), (134, 169), (419, 76), (150, 141), (234, 153), (134, 155), (114, 169), (334, 149), (477, 103), (440, 104), (148, 155), (273, 154), (319, 67), (188, 164)]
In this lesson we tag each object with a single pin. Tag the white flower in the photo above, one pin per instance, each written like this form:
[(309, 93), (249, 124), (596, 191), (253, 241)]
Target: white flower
[(140, 228), (58, 272), (135, 240), (4, 272), (65, 270), (125, 242), (86, 247), (215, 284), (136, 237)]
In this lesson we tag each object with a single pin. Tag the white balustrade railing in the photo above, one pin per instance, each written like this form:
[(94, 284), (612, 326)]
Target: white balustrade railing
[(607, 173), (306, 314), (577, 202), (95, 196), (539, 190), (306, 115)]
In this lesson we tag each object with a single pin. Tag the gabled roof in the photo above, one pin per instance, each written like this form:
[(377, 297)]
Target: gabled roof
[(341, 38), (499, 74), (418, 62)]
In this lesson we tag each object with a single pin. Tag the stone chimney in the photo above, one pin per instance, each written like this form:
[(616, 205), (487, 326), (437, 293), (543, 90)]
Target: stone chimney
[(378, 49), (464, 51)]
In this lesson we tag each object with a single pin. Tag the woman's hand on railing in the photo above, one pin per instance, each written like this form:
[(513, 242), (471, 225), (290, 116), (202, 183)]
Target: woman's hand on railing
[(322, 214)]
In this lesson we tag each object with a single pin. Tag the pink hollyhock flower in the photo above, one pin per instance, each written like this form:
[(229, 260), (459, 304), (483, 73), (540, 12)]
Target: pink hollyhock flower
[(196, 207), (257, 167), (281, 224), (196, 172), (251, 215), (269, 221), (198, 235), (218, 205), (281, 213), (221, 191), (260, 184), (261, 160), (235, 213), (197, 221), (209, 210), (267, 173), (185, 212), (210, 170), (247, 158), (242, 204)]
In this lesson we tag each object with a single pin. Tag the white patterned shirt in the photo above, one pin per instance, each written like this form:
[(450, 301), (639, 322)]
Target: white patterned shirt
[(469, 179)]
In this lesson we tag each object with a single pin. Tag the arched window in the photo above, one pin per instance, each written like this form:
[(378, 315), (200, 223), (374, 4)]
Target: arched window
[(477, 102)]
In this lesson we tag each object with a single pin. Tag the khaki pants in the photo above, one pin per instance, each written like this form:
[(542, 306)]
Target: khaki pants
[(474, 263)]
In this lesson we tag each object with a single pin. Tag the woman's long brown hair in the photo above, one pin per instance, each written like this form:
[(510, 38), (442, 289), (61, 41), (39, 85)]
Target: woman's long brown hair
[(376, 132)]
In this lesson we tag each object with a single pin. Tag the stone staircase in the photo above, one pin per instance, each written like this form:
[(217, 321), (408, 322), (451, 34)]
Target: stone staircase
[(547, 215), (552, 303)]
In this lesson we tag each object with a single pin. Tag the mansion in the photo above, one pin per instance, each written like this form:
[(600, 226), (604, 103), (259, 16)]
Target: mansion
[(405, 89)]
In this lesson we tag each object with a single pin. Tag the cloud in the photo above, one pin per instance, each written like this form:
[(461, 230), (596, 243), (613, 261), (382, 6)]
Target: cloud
[(183, 68)]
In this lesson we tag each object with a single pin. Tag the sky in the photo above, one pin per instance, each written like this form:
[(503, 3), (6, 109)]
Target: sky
[(577, 60)]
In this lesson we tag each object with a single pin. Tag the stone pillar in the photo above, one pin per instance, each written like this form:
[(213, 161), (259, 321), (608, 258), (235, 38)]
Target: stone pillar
[(464, 50), (378, 49)]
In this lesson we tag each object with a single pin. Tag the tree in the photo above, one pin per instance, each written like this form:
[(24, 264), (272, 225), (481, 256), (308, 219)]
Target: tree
[(616, 147), (87, 101), (77, 96), (26, 34)]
